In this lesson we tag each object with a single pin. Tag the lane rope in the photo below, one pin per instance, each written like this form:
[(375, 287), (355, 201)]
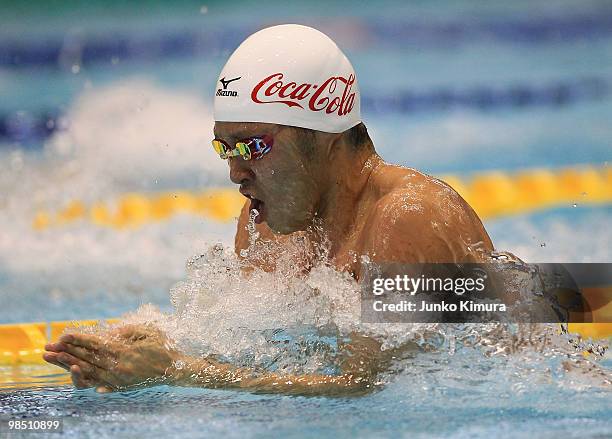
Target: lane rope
[(64, 50), (491, 194), (132, 210), (32, 127), (24, 343)]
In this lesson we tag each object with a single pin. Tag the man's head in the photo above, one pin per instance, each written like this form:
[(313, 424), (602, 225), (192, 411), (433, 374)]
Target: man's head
[(292, 84), (287, 185)]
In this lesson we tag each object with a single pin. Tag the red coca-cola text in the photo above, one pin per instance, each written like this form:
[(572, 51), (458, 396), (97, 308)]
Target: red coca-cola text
[(332, 96)]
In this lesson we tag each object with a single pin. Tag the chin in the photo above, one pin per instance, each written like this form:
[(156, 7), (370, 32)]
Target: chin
[(287, 227), (281, 229)]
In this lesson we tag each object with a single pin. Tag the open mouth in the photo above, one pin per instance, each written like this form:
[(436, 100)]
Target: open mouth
[(258, 205)]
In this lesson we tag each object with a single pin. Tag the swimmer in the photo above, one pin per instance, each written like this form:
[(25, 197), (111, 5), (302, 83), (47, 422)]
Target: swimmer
[(288, 122)]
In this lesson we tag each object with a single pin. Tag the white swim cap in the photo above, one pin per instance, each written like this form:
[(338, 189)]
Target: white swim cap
[(289, 75)]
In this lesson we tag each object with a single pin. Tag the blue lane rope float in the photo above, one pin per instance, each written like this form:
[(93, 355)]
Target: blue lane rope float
[(28, 127), (59, 50)]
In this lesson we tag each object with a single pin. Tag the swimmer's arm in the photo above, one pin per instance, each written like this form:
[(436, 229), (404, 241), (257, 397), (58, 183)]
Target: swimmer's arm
[(137, 355), (359, 369), (212, 374)]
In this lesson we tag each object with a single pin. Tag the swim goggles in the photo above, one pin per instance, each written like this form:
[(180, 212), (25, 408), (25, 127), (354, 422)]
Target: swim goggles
[(251, 148)]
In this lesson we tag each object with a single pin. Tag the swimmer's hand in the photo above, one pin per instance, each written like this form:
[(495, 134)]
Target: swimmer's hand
[(132, 356)]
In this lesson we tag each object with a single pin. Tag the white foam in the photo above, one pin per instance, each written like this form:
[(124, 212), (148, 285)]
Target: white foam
[(128, 136), (134, 130)]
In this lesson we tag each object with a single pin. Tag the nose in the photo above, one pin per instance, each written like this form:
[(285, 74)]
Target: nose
[(240, 173)]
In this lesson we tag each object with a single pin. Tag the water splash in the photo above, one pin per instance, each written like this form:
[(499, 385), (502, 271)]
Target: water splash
[(292, 319), (253, 233)]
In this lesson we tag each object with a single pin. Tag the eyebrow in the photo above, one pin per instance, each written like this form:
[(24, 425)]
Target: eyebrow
[(240, 135)]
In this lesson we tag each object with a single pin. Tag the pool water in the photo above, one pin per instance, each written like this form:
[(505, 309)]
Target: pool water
[(441, 396), (448, 87)]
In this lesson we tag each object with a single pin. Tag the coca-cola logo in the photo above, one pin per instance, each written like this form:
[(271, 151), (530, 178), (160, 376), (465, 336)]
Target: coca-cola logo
[(332, 96)]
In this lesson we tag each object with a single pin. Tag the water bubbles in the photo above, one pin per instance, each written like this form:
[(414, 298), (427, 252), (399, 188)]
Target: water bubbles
[(217, 249), (204, 10), (75, 69), (575, 205), (253, 233), (253, 213)]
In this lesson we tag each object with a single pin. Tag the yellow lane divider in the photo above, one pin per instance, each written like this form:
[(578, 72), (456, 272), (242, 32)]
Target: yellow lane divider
[(494, 194), (23, 343), (595, 331), (491, 194), (134, 209)]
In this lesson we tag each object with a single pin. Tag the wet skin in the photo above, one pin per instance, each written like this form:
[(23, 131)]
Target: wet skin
[(363, 205)]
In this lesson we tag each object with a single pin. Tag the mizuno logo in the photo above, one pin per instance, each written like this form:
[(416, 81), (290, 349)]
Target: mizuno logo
[(225, 82), (224, 91)]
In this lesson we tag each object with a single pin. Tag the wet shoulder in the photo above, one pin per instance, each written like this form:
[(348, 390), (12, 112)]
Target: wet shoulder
[(418, 218), (408, 190)]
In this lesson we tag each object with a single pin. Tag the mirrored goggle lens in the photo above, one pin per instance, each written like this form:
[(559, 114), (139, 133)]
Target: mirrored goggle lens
[(254, 148), (220, 148), (244, 150), (265, 146), (259, 146)]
